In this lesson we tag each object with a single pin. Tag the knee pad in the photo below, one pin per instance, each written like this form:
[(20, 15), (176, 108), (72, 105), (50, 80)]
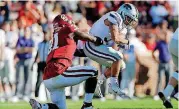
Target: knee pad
[(175, 75), (90, 85)]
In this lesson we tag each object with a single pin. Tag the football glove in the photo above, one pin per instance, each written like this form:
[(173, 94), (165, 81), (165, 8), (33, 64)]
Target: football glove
[(98, 41)]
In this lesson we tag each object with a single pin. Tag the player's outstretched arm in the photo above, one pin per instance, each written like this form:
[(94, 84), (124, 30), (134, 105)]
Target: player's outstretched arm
[(87, 37)]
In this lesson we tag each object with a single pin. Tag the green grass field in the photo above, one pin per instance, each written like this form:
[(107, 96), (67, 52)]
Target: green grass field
[(108, 104)]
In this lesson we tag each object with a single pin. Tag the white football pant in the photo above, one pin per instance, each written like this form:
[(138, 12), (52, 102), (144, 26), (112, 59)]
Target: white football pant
[(72, 76)]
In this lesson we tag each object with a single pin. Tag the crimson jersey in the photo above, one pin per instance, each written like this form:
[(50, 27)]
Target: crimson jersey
[(62, 46)]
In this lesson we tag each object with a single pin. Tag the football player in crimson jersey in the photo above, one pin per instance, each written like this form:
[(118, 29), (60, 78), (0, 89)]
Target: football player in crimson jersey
[(58, 74)]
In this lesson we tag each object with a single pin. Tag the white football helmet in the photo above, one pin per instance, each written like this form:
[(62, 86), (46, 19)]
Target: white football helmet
[(129, 14)]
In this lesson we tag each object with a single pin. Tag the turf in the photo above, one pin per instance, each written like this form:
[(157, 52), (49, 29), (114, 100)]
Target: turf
[(109, 104)]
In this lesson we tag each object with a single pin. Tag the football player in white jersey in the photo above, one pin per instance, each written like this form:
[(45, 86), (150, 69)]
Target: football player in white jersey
[(112, 27), (173, 82)]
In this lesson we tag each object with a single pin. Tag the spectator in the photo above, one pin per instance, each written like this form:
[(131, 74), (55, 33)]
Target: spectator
[(4, 10), (2, 62), (11, 40), (150, 41), (24, 49), (164, 56), (158, 12), (41, 60), (128, 76), (56, 10), (28, 13)]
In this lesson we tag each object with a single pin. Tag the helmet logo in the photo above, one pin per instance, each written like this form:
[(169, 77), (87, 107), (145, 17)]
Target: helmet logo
[(127, 6)]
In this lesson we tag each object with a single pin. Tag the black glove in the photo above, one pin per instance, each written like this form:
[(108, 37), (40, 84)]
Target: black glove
[(98, 41), (79, 53)]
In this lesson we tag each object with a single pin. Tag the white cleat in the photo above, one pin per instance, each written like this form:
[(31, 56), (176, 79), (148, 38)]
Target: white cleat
[(114, 89), (99, 90), (34, 104), (101, 80)]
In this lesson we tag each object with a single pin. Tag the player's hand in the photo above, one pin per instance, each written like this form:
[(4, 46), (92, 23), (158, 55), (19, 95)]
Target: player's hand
[(124, 46), (98, 41)]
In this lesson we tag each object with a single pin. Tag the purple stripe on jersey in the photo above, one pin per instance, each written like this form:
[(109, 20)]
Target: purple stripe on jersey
[(97, 55), (102, 53)]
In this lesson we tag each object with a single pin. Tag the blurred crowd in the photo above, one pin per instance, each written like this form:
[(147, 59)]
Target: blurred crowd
[(26, 28)]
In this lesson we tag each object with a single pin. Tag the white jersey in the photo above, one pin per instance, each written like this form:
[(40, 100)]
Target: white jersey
[(101, 30)]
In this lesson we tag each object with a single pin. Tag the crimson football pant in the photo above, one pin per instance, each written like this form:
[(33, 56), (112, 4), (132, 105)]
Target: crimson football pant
[(72, 76)]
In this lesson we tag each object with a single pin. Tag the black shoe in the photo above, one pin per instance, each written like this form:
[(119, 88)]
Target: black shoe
[(166, 102), (87, 106)]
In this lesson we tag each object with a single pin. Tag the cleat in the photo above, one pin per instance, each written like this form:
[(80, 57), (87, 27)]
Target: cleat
[(99, 90), (87, 106), (34, 104), (101, 80), (166, 102), (91, 107)]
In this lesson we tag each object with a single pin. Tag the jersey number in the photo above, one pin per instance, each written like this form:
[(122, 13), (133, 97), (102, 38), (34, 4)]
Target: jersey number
[(53, 43)]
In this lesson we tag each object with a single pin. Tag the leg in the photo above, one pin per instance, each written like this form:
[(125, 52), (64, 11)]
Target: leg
[(90, 87), (74, 92), (167, 73), (17, 77), (160, 70), (39, 78), (104, 55), (38, 83), (28, 77), (17, 80), (168, 90), (171, 85), (72, 76), (173, 47), (75, 88), (58, 97), (107, 56)]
